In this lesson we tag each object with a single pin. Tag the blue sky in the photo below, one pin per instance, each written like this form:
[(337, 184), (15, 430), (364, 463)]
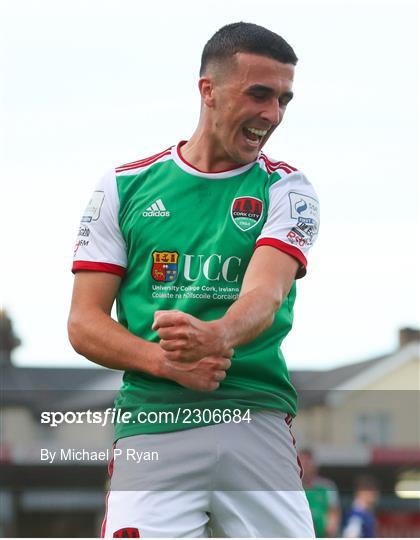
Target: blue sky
[(90, 85)]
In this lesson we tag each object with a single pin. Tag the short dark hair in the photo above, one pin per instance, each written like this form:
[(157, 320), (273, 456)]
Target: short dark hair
[(246, 37)]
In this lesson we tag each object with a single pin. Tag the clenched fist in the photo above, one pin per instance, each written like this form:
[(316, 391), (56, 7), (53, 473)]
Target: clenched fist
[(204, 375), (185, 338)]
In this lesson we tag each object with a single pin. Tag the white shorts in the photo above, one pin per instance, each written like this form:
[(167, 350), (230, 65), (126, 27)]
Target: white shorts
[(224, 480)]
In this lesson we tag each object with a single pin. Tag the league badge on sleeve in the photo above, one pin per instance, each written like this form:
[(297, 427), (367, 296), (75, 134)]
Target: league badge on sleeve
[(165, 266), (93, 209), (304, 208), (246, 212)]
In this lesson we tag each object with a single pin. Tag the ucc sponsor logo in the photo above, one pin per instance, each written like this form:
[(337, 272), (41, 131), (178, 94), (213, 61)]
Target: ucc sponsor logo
[(167, 265), (213, 268)]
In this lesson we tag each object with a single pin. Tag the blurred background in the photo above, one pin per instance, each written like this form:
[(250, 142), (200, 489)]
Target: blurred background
[(358, 423), (88, 86)]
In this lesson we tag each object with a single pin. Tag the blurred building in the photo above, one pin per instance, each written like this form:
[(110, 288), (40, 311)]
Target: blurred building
[(365, 418), (358, 418)]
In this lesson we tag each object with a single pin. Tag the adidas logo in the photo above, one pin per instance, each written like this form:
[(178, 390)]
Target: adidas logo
[(157, 209)]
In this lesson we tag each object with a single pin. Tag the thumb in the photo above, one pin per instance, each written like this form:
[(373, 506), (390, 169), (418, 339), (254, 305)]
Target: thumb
[(158, 314), (156, 319)]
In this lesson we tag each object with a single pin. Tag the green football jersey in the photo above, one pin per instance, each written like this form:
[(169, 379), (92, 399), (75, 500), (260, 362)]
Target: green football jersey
[(322, 495), (182, 239)]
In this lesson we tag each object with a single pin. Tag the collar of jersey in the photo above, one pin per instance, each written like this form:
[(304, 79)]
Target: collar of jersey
[(190, 169)]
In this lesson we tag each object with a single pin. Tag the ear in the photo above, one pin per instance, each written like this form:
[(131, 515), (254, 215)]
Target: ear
[(206, 88)]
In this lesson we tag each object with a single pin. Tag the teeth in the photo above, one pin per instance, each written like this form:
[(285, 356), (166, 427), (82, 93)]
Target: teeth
[(259, 132)]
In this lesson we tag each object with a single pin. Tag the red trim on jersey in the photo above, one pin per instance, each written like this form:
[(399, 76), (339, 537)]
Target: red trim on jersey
[(277, 164), (110, 471), (98, 267), (199, 170), (274, 165), (287, 248), (143, 162), (139, 161)]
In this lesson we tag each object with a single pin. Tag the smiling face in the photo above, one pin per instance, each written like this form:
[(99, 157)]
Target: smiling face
[(245, 101)]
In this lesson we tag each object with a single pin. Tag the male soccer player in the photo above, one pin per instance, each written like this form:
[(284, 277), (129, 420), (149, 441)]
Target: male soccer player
[(201, 245)]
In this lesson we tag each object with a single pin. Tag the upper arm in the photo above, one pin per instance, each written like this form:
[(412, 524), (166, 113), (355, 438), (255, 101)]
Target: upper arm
[(93, 290), (271, 269), (93, 296)]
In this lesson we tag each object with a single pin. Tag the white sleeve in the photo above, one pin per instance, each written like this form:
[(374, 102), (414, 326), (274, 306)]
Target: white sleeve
[(100, 245), (293, 218)]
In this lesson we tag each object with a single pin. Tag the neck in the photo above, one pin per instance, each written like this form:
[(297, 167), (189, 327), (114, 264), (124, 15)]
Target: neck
[(205, 153)]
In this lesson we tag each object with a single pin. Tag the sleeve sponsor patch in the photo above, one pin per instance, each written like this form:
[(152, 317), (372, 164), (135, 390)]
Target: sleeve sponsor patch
[(303, 207), (100, 244), (93, 209), (293, 217)]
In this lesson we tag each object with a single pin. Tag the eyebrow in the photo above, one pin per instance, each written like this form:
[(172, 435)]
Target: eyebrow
[(269, 90)]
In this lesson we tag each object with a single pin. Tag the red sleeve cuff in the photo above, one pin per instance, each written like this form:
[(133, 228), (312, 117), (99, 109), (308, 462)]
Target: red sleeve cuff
[(98, 267), (286, 248)]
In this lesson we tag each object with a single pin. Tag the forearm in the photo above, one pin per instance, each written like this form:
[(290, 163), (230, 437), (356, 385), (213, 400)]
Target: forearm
[(102, 340), (333, 522), (249, 316)]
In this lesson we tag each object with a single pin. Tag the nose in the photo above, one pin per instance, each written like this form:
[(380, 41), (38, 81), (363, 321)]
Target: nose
[(272, 112)]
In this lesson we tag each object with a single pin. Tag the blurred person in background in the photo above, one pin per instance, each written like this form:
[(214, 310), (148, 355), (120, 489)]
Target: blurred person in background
[(322, 495), (360, 520)]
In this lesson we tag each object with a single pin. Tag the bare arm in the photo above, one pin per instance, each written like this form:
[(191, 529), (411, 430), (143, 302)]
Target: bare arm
[(333, 521), (267, 282), (95, 335)]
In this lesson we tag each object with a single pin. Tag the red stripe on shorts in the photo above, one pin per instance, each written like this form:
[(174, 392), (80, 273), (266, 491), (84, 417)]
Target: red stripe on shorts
[(288, 421), (110, 471)]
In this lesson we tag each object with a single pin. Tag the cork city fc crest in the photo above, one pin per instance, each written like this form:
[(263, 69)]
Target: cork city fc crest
[(246, 212), (165, 266)]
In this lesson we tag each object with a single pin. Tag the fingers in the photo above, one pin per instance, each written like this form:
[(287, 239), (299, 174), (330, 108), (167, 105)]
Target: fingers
[(210, 386), (178, 355), (173, 345), (174, 332), (219, 375), (168, 318), (183, 366), (225, 363)]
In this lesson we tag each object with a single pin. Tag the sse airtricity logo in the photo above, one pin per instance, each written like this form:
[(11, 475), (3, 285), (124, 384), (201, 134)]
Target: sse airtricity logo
[(157, 209), (303, 207)]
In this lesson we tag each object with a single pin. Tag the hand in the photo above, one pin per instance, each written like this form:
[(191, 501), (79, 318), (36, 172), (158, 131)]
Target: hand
[(185, 338), (203, 375)]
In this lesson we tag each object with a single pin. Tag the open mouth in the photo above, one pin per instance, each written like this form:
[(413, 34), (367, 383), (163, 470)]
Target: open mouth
[(254, 136)]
